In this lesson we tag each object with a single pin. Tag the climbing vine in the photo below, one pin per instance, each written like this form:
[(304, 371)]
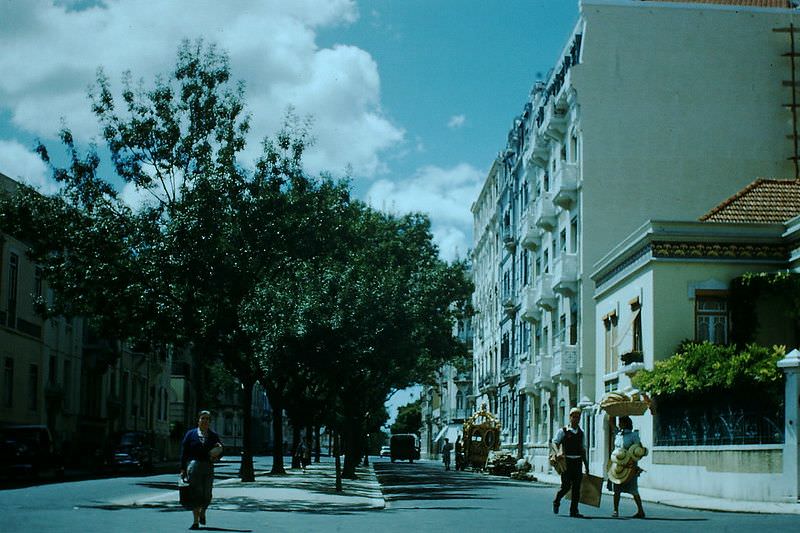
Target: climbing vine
[(698, 368), (745, 292)]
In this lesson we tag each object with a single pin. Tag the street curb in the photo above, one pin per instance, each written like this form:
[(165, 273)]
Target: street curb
[(697, 501)]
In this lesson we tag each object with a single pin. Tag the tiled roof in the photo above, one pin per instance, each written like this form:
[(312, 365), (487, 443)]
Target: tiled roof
[(752, 3), (764, 200)]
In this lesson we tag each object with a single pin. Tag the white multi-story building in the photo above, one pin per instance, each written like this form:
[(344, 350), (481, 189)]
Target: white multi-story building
[(654, 111)]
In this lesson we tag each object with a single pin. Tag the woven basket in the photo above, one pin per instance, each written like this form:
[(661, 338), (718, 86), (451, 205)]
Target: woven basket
[(631, 408)]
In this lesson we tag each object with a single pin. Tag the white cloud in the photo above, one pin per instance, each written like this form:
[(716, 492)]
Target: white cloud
[(445, 194), (23, 165), (456, 121), (51, 53)]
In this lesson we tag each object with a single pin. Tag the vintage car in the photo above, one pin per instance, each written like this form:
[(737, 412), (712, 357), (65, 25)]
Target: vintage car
[(404, 447), (29, 451), (133, 450)]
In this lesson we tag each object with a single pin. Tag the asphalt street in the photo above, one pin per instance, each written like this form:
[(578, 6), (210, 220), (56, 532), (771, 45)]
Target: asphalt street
[(388, 497)]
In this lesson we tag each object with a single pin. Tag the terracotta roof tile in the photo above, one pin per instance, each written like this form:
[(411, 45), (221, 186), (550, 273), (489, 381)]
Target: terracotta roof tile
[(752, 3), (764, 200)]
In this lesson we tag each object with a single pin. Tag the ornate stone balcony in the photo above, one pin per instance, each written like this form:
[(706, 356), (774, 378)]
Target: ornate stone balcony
[(543, 295), (530, 311), (555, 121), (532, 234), (565, 185), (540, 373), (540, 153), (565, 274), (565, 363), (544, 212)]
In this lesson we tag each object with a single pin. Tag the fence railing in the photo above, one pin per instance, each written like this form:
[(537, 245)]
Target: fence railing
[(718, 426)]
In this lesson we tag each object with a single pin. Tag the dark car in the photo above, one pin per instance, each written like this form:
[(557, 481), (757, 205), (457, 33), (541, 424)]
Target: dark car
[(28, 450), (133, 450), (404, 447)]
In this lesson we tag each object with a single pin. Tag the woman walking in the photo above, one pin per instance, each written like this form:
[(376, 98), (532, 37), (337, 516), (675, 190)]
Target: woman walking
[(201, 446), (624, 471)]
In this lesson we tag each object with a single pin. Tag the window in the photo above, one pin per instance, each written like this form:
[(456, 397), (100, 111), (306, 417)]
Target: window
[(525, 267), (37, 282), (546, 261), (573, 146), (13, 272), (8, 383), (459, 400), (33, 388), (562, 240), (562, 333), (546, 181), (52, 371), (573, 235), (610, 326), (636, 309), (67, 383), (573, 327), (711, 316)]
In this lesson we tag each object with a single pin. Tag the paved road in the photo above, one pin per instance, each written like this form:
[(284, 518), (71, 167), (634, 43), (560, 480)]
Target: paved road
[(419, 497)]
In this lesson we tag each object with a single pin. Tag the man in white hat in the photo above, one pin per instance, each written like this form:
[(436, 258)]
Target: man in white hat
[(570, 439)]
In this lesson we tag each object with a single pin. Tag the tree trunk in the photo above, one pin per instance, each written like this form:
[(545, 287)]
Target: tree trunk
[(317, 444), (276, 402), (295, 446), (352, 450), (247, 472), (336, 452)]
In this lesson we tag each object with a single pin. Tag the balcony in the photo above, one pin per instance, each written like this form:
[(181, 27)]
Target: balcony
[(565, 185), (530, 311), (508, 239), (544, 213), (532, 238), (565, 275), (555, 121), (509, 304), (487, 383), (543, 295), (539, 374), (540, 153), (509, 369), (565, 363)]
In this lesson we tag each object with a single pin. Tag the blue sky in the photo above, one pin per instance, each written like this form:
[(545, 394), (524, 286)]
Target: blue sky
[(414, 96)]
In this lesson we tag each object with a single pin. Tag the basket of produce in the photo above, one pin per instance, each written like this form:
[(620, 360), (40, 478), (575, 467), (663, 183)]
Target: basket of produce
[(633, 403)]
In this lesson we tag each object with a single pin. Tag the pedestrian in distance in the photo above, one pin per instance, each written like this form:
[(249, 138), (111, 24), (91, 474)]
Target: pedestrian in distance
[(570, 440), (624, 470), (446, 449), (459, 454), (200, 449)]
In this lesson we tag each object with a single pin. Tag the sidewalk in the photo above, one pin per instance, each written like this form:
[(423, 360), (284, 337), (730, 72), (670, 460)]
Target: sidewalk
[(312, 490), (694, 501)]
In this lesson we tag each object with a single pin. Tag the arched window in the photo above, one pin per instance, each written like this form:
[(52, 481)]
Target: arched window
[(459, 400)]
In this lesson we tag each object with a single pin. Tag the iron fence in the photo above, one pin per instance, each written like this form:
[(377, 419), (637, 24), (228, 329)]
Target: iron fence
[(718, 426)]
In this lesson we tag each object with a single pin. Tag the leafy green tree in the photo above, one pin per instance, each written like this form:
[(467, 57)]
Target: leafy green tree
[(409, 418)]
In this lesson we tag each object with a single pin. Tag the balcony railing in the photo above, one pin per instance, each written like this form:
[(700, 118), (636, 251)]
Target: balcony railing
[(565, 185), (554, 124), (540, 153), (544, 213), (565, 363), (530, 311), (543, 295), (509, 368), (565, 274), (509, 241), (539, 373), (532, 237)]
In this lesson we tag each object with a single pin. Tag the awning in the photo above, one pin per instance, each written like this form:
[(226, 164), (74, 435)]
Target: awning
[(451, 432)]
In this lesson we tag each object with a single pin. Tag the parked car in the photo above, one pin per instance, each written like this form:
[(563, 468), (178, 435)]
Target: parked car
[(133, 450), (28, 450), (386, 451), (404, 447)]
